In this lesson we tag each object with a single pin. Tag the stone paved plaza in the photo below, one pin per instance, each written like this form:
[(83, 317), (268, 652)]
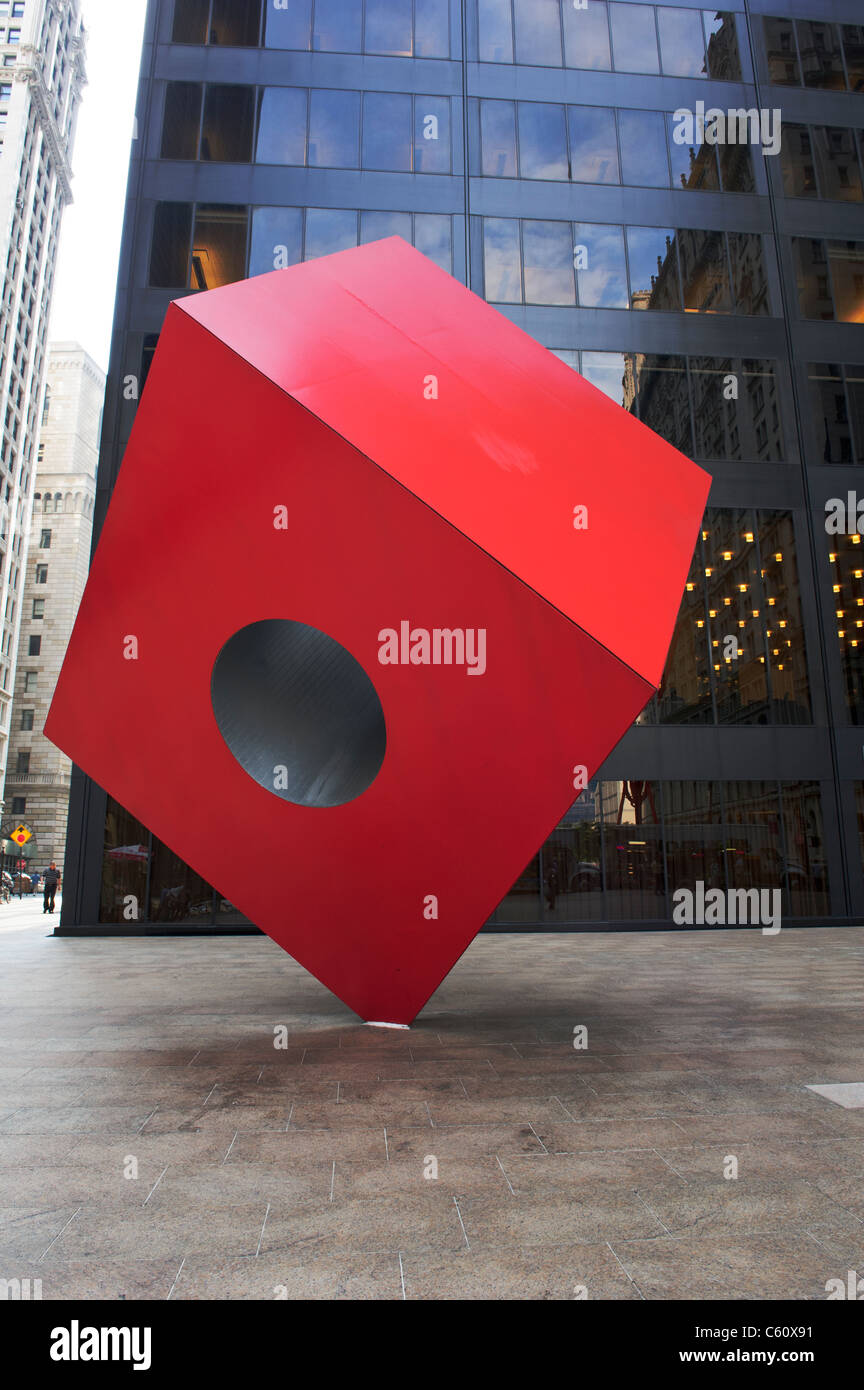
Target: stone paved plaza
[(307, 1171)]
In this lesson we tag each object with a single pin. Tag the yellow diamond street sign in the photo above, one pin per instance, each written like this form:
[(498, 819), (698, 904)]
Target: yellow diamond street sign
[(21, 835)]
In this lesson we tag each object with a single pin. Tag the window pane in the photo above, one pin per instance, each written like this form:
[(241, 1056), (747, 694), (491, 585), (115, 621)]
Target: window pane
[(664, 401), (329, 230), (586, 37), (334, 127), (685, 692), (432, 135), (819, 49), (643, 148), (337, 25), (388, 27), (847, 275), (836, 159), (749, 286), (593, 148), (571, 863), (538, 32), (433, 236), (169, 253), (609, 372), (282, 126), (715, 416), (600, 269), (498, 138), (724, 60), (226, 134), (852, 36), (431, 29), (289, 28), (845, 575), (806, 870), (190, 21), (654, 282), (501, 260), (633, 851), (634, 38), (236, 22), (548, 259), (692, 820), (797, 162), (682, 47), (376, 225), (218, 245), (781, 52), (177, 893), (758, 415), (787, 659), (276, 239), (855, 395), (495, 31), (705, 272), (694, 166), (124, 863), (829, 413), (181, 121), (753, 848), (729, 426), (811, 271), (386, 131), (542, 141), (735, 609)]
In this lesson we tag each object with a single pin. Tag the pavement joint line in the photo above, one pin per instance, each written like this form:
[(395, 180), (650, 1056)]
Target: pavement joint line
[(626, 1271), (58, 1235), (461, 1222), (176, 1277), (637, 1194), (155, 1185), (261, 1237), (230, 1147), (506, 1179)]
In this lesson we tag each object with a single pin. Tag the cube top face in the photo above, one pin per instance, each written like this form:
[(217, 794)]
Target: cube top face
[(377, 890), (484, 426)]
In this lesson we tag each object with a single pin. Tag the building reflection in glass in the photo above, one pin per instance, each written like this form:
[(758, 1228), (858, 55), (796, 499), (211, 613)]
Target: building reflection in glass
[(625, 847), (846, 559), (737, 654)]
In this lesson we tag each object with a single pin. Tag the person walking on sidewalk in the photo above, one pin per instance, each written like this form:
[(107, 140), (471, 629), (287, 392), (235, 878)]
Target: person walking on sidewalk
[(52, 881)]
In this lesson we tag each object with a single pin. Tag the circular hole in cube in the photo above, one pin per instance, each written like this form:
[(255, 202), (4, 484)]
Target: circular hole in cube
[(298, 712)]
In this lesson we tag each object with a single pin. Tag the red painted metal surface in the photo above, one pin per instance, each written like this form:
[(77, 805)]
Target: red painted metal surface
[(310, 389)]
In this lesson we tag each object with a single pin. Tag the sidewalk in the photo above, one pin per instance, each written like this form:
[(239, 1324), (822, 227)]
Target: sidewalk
[(26, 914)]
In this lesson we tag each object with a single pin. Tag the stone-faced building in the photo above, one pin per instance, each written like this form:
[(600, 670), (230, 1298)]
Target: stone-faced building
[(61, 524)]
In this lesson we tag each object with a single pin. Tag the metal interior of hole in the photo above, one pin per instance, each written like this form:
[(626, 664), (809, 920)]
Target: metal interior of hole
[(300, 715)]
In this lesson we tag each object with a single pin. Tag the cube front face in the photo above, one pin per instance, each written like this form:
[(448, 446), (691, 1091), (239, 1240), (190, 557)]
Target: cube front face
[(299, 654)]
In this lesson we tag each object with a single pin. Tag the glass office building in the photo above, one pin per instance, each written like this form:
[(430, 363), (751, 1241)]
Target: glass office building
[(541, 152)]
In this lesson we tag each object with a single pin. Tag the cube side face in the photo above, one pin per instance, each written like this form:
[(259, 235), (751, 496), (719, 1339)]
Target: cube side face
[(485, 426), (478, 766)]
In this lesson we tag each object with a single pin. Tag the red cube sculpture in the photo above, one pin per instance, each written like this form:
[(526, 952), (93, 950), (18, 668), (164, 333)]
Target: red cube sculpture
[(381, 583)]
